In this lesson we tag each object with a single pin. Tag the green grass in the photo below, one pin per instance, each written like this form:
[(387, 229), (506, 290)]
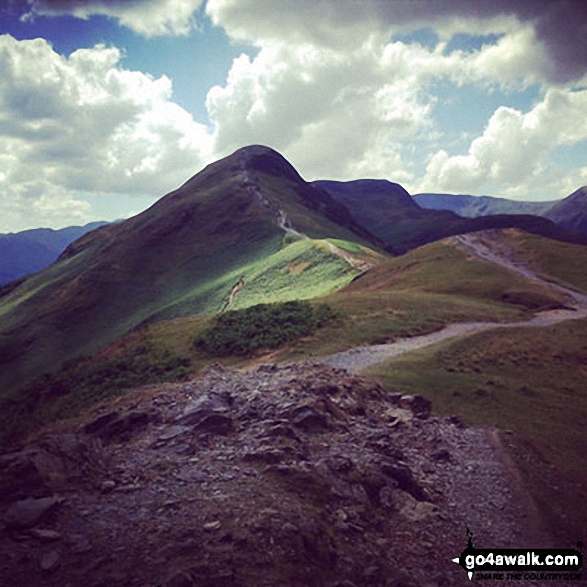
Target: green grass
[(527, 380), (301, 269), (350, 247), (156, 354), (561, 262)]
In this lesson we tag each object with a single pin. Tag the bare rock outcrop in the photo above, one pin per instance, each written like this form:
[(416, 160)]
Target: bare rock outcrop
[(298, 475)]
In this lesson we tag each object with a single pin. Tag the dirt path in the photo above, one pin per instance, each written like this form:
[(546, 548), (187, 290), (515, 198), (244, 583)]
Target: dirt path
[(352, 261), (361, 358)]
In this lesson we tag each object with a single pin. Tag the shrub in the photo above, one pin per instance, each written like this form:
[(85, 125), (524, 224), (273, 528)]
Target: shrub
[(265, 326)]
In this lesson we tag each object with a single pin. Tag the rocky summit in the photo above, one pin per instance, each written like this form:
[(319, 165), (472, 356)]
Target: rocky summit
[(299, 475)]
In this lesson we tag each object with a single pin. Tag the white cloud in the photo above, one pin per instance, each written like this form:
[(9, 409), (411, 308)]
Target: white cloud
[(322, 108), (151, 18), (511, 156), (84, 124), (346, 24), (330, 91)]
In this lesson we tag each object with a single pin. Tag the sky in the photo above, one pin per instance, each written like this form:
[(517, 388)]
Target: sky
[(107, 105)]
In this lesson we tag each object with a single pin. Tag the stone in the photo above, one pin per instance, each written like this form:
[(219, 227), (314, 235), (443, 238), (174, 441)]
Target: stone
[(78, 544), (264, 455), (179, 579), (214, 423), (27, 513), (441, 455), (339, 464), (20, 477), (457, 421), (202, 406), (419, 405), (45, 535), (309, 419), (107, 486), (405, 480), (212, 526), (278, 429), (49, 561), (48, 466), (118, 427)]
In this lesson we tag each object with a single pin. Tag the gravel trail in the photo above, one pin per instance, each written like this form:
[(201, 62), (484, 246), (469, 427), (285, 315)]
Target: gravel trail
[(360, 358)]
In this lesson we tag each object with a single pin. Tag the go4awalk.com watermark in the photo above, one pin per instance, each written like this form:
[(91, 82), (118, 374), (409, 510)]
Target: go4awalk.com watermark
[(516, 564)]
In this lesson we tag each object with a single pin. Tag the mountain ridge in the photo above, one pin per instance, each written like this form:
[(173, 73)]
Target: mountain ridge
[(395, 217), (182, 256), (472, 206), (571, 212)]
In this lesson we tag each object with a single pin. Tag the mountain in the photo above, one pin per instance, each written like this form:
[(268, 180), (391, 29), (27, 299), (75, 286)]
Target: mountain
[(473, 206), (247, 226), (30, 251), (388, 211), (571, 212)]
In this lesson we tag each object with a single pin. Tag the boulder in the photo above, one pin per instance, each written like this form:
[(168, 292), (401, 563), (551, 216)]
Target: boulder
[(118, 427), (29, 512)]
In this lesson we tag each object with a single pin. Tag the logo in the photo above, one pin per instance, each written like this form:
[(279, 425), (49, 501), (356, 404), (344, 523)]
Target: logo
[(538, 564)]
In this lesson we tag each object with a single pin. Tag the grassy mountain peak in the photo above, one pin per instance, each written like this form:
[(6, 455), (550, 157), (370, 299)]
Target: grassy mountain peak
[(238, 220)]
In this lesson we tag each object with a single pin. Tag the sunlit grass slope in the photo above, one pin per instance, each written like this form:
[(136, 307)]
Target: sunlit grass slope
[(564, 263)]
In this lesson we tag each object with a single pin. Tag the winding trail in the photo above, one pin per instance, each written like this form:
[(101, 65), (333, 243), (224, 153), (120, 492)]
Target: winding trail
[(360, 358)]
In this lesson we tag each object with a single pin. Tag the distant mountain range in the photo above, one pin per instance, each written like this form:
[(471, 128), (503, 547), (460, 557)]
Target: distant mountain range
[(30, 251), (473, 206), (569, 213), (245, 230)]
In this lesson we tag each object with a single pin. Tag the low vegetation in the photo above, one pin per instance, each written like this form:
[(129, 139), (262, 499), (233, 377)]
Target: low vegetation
[(81, 383), (561, 262), (264, 326)]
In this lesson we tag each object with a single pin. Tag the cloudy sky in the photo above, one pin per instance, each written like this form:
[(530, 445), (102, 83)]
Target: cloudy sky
[(106, 105)]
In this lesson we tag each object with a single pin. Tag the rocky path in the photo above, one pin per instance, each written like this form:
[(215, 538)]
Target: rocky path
[(361, 358), (284, 476)]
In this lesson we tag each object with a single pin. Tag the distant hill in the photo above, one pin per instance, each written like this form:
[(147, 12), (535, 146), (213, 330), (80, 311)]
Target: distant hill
[(388, 211), (29, 251), (473, 206), (571, 213)]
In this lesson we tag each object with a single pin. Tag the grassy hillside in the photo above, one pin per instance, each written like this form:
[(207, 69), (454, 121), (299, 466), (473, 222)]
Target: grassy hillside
[(420, 292), (180, 257), (554, 260), (530, 381), (414, 294)]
